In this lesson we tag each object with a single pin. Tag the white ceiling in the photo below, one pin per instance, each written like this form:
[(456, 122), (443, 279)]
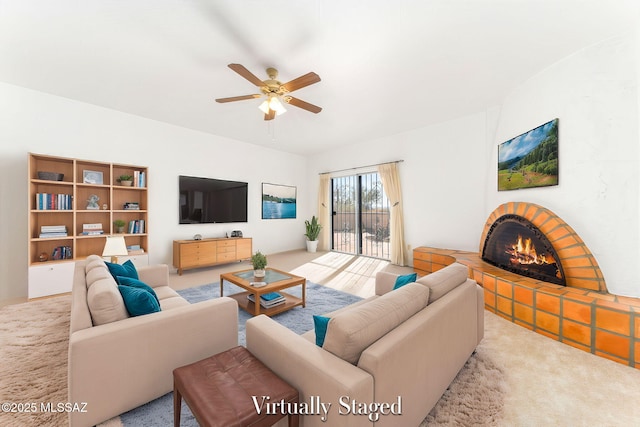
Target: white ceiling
[(386, 66)]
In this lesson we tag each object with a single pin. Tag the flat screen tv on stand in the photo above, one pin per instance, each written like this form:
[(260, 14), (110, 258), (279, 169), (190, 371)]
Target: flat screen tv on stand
[(208, 200)]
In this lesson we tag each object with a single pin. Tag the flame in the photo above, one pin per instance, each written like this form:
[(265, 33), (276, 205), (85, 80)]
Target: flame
[(524, 252)]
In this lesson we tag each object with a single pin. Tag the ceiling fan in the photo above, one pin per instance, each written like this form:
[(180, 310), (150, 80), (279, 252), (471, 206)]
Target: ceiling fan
[(275, 92)]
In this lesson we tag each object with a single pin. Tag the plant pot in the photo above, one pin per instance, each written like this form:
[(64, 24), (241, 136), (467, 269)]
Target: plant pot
[(126, 183), (312, 245), (259, 273), (120, 229)]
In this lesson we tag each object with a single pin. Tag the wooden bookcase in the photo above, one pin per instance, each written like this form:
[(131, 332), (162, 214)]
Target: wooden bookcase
[(80, 181)]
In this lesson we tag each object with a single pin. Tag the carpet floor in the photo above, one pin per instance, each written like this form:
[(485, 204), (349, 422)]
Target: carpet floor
[(521, 378)]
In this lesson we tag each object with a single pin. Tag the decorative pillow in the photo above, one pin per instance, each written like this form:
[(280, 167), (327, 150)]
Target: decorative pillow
[(349, 333), (129, 281), (442, 281), (403, 280), (105, 302), (138, 301), (320, 323), (126, 270)]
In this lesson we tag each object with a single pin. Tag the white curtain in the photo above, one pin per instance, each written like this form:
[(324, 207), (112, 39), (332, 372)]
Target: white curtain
[(324, 213), (391, 184)]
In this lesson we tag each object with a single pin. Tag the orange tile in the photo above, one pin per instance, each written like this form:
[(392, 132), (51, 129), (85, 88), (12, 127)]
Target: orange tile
[(523, 313), (489, 282), (477, 276), (613, 321), (581, 261), (576, 332), (523, 324), (489, 299), (613, 344), (636, 326), (548, 322), (611, 357), (505, 306), (556, 234), (523, 295), (547, 334), (579, 297), (520, 208), (635, 302), (636, 351), (504, 289), (571, 252), (565, 241), (577, 345), (613, 305), (546, 302), (576, 311), (593, 285)]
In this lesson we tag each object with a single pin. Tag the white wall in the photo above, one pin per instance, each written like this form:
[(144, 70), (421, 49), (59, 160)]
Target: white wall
[(594, 93), (32, 121), (442, 177)]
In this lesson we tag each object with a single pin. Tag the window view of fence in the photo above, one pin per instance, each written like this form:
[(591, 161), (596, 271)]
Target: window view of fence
[(360, 216)]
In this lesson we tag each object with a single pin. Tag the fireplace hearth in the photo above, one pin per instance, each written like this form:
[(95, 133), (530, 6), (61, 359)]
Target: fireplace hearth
[(514, 244)]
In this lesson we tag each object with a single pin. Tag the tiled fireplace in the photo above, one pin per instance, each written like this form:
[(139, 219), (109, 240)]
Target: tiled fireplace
[(558, 291)]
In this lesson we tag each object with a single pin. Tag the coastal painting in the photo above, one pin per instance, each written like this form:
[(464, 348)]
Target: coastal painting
[(529, 160), (278, 201)]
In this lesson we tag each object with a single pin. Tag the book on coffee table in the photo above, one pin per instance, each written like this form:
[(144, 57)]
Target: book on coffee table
[(268, 300)]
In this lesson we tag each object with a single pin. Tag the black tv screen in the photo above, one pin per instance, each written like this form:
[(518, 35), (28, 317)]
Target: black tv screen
[(207, 200)]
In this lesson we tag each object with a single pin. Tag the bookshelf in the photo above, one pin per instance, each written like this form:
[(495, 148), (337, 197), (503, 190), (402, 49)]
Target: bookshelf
[(65, 199)]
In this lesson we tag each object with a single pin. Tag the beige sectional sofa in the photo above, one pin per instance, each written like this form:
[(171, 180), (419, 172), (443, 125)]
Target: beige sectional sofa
[(397, 351), (117, 362)]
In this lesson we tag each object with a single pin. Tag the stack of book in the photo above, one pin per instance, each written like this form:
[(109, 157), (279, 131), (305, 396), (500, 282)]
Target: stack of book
[(92, 229), (136, 226), (61, 252), (49, 231), (131, 206), (46, 201), (135, 250), (268, 300)]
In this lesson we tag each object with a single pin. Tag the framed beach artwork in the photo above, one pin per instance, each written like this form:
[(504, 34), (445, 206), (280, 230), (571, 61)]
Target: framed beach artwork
[(278, 201), (529, 160)]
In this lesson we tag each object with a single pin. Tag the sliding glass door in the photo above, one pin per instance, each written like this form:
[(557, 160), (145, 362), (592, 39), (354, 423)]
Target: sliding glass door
[(360, 223)]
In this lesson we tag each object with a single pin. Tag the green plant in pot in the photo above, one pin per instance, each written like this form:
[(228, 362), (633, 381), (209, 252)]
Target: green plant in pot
[(126, 180), (259, 262), (119, 225), (313, 228)]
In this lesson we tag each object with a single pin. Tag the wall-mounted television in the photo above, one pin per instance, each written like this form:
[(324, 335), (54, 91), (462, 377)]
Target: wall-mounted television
[(207, 200)]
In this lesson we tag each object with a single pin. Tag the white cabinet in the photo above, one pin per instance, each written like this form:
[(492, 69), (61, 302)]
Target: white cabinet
[(50, 278)]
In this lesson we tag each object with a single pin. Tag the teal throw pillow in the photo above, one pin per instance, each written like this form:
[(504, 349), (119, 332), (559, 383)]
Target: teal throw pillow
[(130, 281), (403, 280), (138, 301), (126, 270), (320, 323)]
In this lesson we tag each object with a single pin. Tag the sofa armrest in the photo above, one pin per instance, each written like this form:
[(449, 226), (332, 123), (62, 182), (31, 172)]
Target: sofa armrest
[(310, 369), (154, 275), (121, 365), (385, 282)]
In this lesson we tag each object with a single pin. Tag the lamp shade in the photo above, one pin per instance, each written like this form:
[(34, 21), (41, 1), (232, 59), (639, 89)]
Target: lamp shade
[(114, 247)]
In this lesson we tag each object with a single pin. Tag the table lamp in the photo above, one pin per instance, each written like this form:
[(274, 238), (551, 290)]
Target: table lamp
[(115, 246)]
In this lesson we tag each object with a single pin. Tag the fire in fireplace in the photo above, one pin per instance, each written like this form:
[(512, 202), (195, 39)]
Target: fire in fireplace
[(513, 243)]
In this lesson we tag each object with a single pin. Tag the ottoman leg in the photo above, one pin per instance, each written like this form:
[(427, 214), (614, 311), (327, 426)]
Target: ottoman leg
[(177, 406)]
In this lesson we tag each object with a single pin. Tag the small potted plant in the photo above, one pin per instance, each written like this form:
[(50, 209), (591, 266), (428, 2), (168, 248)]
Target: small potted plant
[(119, 225), (126, 180), (313, 231), (259, 262)]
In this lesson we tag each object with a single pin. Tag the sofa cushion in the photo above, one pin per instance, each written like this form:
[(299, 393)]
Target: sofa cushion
[(138, 301), (95, 274), (442, 281), (130, 281), (352, 331), (127, 269), (94, 261), (404, 279), (105, 302)]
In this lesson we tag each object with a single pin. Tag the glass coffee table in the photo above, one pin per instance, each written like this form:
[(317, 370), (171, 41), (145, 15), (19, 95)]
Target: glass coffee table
[(276, 281)]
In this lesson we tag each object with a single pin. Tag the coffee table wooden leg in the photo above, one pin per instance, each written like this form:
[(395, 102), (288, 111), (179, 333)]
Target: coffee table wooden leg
[(177, 406), (304, 293), (256, 305), (221, 280)]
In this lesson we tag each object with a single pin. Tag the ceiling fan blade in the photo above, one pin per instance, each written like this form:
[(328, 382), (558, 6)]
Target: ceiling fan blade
[(240, 69), (302, 81), (270, 116), (303, 104), (238, 98)]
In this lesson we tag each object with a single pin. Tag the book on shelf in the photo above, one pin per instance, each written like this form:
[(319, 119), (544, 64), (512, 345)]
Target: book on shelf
[(94, 229), (268, 300), (135, 251), (52, 231), (92, 233), (58, 202), (139, 179), (136, 226), (61, 252), (131, 206)]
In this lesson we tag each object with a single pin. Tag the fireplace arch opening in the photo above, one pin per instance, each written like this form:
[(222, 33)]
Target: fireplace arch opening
[(514, 244)]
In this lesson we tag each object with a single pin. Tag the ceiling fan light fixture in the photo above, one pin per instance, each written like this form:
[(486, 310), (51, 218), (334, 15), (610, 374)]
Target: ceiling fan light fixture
[(264, 107), (277, 106)]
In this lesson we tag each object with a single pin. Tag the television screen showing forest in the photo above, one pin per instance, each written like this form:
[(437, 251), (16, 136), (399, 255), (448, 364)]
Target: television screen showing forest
[(529, 160)]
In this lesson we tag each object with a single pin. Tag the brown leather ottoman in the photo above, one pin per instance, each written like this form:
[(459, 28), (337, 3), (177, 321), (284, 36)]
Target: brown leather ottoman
[(219, 391)]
